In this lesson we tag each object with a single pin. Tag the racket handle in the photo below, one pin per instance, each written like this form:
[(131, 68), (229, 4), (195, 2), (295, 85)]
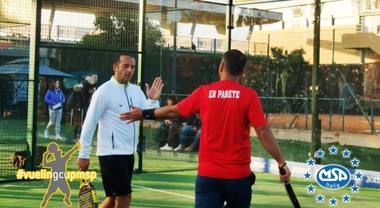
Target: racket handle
[(290, 191), (283, 172)]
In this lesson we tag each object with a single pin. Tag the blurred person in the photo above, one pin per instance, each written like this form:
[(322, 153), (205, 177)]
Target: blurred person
[(116, 140), (175, 126), (194, 146), (227, 110), (193, 47), (75, 109), (162, 131), (188, 132), (88, 90), (54, 98)]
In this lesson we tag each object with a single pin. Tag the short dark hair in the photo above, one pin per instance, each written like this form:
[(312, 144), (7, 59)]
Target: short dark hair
[(173, 98), (117, 57), (234, 61)]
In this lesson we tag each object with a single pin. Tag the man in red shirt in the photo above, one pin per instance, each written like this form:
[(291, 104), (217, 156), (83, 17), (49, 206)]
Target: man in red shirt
[(227, 110)]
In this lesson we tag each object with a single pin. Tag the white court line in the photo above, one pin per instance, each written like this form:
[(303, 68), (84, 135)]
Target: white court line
[(161, 191), (158, 190)]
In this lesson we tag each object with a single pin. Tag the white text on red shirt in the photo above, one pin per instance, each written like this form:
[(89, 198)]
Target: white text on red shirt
[(224, 94)]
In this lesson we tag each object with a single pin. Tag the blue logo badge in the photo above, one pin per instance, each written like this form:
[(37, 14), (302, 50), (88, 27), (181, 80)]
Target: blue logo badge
[(333, 177)]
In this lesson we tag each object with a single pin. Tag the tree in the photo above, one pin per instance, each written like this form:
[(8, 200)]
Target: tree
[(256, 73), (282, 75), (195, 69), (113, 33), (286, 65), (119, 31)]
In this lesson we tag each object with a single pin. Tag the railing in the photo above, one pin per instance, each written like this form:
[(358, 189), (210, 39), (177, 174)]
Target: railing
[(330, 108), (216, 45)]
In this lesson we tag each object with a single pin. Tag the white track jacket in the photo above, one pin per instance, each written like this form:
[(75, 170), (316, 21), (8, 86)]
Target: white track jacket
[(115, 137)]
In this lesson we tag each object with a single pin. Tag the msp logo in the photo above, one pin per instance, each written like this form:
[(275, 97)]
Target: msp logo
[(333, 177)]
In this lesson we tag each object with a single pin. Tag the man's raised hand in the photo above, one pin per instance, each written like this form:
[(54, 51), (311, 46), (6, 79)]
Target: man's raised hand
[(154, 92)]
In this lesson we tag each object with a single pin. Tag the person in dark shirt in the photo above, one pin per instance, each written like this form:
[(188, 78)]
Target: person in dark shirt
[(75, 110), (162, 131), (188, 132), (174, 131), (193, 47), (88, 89)]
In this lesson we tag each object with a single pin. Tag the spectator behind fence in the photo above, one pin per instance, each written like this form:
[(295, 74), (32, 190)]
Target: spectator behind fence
[(75, 110), (88, 90), (162, 131), (188, 132), (54, 98), (195, 145), (193, 47), (173, 136)]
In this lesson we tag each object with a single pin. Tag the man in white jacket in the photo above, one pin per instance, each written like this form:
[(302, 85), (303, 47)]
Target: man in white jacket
[(117, 141)]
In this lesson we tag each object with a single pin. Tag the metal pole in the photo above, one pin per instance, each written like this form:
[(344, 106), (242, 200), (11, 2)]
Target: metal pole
[(161, 61), (229, 24), (34, 54), (269, 82), (333, 49), (214, 67), (141, 77), (316, 122), (174, 70)]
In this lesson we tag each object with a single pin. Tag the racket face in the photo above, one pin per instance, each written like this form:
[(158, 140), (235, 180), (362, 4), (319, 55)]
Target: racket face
[(87, 195)]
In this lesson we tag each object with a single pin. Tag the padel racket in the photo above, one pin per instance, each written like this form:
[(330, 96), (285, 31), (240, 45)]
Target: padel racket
[(87, 195), (290, 191)]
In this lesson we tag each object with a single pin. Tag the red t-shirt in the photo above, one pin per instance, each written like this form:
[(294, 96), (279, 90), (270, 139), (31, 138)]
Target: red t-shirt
[(226, 109)]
